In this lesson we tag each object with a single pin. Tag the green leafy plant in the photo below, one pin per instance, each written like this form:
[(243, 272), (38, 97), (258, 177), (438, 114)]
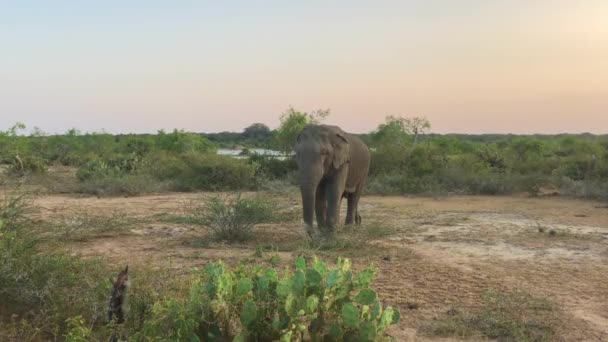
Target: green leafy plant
[(313, 301), (233, 219)]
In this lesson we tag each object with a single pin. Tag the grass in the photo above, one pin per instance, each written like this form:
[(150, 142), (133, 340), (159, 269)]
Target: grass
[(512, 316), (41, 290), (350, 241), (84, 225), (121, 185)]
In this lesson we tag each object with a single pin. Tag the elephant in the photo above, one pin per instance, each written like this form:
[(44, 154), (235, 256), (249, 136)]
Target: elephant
[(332, 165)]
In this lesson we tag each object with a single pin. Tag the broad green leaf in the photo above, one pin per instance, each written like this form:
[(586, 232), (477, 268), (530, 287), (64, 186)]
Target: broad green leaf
[(272, 275), (366, 297), (365, 312), (194, 338), (276, 322), (387, 318), (367, 332), (365, 277), (290, 304), (299, 281), (239, 338), (396, 316), (243, 287), (335, 332), (313, 278), (300, 263), (249, 313), (376, 310), (284, 288), (350, 315), (286, 337), (333, 278), (312, 302), (345, 265), (320, 266), (263, 285)]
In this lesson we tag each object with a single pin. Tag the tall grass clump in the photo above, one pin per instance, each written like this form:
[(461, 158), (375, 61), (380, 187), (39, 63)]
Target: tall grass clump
[(233, 219), (42, 289)]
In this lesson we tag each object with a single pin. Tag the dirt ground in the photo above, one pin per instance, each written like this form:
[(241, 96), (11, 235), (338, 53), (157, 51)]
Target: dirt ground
[(441, 254)]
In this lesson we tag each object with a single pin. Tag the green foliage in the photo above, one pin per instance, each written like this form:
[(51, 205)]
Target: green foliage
[(179, 141), (190, 172), (486, 164), (45, 289), (15, 209), (233, 219), (313, 301), (292, 123), (269, 167), (77, 330), (405, 160)]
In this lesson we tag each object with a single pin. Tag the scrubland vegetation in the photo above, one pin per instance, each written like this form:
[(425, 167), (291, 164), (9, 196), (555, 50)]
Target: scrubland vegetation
[(406, 160), (47, 293)]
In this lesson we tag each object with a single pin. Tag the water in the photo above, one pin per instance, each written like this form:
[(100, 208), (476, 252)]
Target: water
[(236, 153)]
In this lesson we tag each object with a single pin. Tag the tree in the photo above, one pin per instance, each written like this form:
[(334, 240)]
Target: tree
[(416, 126), (180, 141), (257, 134), (292, 123), (396, 130)]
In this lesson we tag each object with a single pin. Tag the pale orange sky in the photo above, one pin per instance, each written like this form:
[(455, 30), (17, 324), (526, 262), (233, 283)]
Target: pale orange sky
[(468, 66)]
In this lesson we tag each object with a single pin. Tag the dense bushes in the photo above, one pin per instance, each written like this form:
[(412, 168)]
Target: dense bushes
[(483, 164), (192, 171), (42, 290), (507, 165), (314, 302)]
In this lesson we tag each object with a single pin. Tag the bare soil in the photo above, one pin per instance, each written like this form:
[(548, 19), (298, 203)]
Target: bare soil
[(441, 254)]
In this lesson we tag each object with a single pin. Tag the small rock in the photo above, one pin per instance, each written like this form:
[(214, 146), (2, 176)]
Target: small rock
[(452, 312), (411, 306)]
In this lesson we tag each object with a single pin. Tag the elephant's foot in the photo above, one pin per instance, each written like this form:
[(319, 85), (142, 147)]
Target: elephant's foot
[(358, 220), (312, 233)]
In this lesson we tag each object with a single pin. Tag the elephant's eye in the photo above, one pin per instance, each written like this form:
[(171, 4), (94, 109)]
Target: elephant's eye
[(324, 151)]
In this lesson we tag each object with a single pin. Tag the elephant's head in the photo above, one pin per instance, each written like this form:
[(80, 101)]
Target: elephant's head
[(321, 151)]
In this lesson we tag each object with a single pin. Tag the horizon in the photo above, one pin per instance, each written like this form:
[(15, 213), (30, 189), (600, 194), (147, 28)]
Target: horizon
[(472, 67)]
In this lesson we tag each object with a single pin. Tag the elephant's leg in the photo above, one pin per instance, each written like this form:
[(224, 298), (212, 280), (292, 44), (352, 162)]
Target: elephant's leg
[(321, 207), (333, 195), (355, 198), (350, 209)]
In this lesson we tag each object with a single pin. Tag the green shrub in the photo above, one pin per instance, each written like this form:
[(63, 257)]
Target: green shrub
[(127, 185), (29, 164), (313, 302), (272, 168), (234, 219), (194, 171), (15, 209), (116, 166), (43, 289)]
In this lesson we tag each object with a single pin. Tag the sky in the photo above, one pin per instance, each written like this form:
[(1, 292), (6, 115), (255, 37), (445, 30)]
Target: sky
[(469, 66)]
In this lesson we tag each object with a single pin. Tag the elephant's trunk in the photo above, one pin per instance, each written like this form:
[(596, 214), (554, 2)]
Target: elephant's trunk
[(308, 202)]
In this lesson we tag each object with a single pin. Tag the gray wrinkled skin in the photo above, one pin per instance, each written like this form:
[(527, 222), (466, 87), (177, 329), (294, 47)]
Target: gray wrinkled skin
[(332, 165)]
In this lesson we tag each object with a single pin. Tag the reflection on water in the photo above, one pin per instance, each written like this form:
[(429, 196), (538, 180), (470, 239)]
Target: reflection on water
[(238, 153)]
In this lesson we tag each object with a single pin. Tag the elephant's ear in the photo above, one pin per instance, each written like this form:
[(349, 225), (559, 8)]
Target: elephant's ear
[(341, 150)]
